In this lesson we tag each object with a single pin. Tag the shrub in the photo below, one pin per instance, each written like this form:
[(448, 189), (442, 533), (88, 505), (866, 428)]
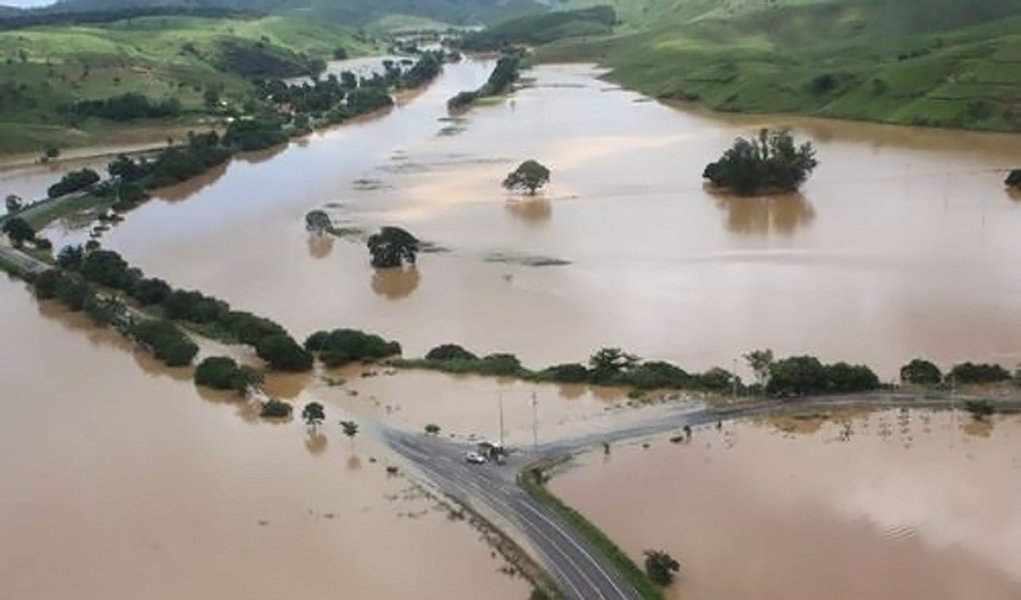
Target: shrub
[(566, 373), (275, 409), (500, 364), (73, 182), (449, 352), (980, 409), (660, 567), (223, 373)]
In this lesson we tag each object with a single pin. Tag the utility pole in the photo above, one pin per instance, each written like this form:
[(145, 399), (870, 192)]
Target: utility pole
[(535, 422)]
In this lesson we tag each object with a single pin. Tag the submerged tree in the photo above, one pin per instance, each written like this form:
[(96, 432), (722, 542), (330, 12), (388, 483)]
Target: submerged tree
[(18, 231), (317, 221), (529, 176), (661, 567), (770, 162), (760, 361), (922, 372), (13, 203), (350, 429), (313, 414), (1014, 179), (392, 247)]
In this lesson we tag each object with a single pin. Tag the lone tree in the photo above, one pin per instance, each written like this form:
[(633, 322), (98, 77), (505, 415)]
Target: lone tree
[(661, 567), (769, 163), (1014, 179), (13, 203), (392, 247), (432, 429), (313, 415), (529, 176), (921, 372), (317, 221), (18, 231), (760, 361)]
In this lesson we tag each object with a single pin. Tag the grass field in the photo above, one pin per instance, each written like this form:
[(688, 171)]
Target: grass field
[(935, 63), (45, 68)]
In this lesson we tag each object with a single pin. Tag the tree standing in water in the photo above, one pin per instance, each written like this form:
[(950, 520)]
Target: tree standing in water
[(350, 429), (392, 247), (530, 176), (314, 415)]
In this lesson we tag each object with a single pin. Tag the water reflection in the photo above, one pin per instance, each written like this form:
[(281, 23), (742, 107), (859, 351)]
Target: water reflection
[(182, 191), (532, 211), (320, 246), (261, 156), (395, 284), (316, 443), (782, 214), (354, 463)]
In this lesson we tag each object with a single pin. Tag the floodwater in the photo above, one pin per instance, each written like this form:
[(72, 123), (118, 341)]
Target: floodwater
[(910, 505), (903, 243), (120, 480)]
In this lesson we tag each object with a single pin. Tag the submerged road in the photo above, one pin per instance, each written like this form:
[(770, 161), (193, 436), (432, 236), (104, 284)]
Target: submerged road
[(579, 569)]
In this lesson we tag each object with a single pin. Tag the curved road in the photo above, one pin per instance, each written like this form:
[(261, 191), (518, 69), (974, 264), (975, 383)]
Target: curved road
[(580, 570)]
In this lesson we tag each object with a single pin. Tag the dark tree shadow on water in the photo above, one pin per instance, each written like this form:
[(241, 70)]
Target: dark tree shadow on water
[(184, 190), (1014, 193), (531, 211), (781, 214), (395, 284)]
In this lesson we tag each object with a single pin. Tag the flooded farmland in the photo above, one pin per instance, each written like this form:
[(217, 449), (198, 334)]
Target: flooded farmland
[(902, 244), (121, 480), (897, 504)]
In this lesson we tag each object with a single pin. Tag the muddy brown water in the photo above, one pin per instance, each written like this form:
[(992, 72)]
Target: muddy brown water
[(908, 505), (120, 480), (902, 244)]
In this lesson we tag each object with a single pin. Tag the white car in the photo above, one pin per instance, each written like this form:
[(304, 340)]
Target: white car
[(475, 458)]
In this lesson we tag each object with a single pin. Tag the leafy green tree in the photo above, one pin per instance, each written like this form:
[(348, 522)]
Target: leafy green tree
[(71, 257), (317, 221), (392, 247), (797, 376), (608, 364), (275, 409), (921, 372), (661, 567), (450, 352), (657, 375), (313, 414), (766, 163), (530, 176), (18, 230), (566, 373), (283, 353), (759, 361), (224, 373), (969, 372), (343, 346)]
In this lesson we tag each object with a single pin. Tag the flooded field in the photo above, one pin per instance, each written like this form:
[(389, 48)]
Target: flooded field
[(910, 505), (902, 244), (121, 480)]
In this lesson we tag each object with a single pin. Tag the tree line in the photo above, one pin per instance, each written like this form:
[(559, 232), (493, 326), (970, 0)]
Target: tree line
[(505, 73)]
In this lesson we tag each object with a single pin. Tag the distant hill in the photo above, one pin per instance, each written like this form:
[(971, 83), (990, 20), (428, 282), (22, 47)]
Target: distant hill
[(355, 12), (542, 28), (948, 63)]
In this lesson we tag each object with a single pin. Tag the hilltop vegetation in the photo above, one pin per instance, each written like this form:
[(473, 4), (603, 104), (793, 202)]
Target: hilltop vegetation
[(354, 12), (59, 84), (941, 62), (542, 28)]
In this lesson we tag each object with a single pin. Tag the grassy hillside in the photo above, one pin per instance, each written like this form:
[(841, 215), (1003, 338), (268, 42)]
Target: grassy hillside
[(44, 69), (359, 12), (542, 28), (901, 61)]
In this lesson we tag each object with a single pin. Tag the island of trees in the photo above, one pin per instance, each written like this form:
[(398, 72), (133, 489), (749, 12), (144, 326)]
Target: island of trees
[(504, 75), (529, 177), (768, 163)]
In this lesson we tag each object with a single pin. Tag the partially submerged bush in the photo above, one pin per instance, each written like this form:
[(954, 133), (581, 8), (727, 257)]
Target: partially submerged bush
[(224, 373), (770, 162), (275, 409), (342, 346), (450, 352)]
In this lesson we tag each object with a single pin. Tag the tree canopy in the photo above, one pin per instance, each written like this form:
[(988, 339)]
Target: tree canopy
[(392, 247), (770, 162), (530, 176), (1014, 179), (921, 372), (317, 221), (660, 567), (18, 231)]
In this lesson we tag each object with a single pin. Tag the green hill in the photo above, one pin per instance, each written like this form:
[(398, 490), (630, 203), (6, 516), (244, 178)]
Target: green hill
[(940, 62), (46, 69), (542, 28), (351, 12)]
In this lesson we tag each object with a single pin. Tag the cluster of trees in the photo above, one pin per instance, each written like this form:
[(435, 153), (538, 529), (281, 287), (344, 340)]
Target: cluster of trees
[(660, 567), (807, 375), (923, 372), (770, 162), (259, 133), (504, 74), (73, 181), (270, 340), (343, 346), (18, 231), (200, 153), (392, 247), (224, 373), (166, 342), (260, 59), (126, 107), (530, 176), (608, 366)]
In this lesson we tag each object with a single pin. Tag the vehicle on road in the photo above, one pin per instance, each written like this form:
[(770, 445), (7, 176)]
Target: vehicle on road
[(475, 458)]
